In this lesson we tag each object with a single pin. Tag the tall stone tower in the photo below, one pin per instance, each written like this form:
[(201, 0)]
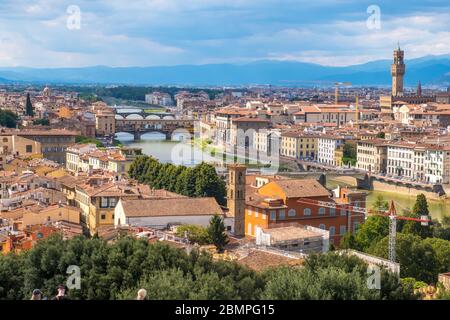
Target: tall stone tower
[(236, 196), (397, 71)]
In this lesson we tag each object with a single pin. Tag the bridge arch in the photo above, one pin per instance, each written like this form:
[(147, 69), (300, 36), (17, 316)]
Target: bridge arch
[(134, 116), (153, 117), (169, 117)]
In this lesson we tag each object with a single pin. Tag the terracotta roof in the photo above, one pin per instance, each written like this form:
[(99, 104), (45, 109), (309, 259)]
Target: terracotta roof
[(171, 207), (260, 260), (296, 188), (249, 119)]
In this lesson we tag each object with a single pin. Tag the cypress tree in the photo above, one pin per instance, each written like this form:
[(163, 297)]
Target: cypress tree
[(29, 107)]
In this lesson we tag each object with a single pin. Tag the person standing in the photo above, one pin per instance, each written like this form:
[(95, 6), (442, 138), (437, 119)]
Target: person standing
[(142, 293), (61, 295)]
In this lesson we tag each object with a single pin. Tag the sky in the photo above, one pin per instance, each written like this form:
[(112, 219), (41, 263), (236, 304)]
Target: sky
[(77, 33)]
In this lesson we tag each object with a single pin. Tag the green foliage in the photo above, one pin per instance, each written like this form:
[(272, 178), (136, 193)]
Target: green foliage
[(216, 232), (200, 181), (111, 271), (381, 135), (416, 257), (380, 204), (195, 233), (8, 119), (29, 111), (348, 241), (442, 229), (349, 153), (413, 227), (332, 277), (41, 122), (441, 248), (83, 139), (372, 231)]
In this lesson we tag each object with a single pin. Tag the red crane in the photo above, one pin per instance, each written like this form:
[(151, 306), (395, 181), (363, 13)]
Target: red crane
[(391, 214)]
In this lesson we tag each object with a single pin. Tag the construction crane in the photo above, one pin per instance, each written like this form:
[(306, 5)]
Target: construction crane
[(336, 90), (355, 211)]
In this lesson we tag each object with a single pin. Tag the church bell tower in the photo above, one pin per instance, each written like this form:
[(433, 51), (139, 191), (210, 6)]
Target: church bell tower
[(236, 196)]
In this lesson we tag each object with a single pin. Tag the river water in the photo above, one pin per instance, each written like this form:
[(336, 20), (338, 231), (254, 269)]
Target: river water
[(177, 152)]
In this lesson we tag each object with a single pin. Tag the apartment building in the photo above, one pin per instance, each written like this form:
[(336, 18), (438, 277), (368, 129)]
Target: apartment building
[(326, 148), (53, 142), (372, 156), (267, 141), (437, 164), (400, 162), (87, 157), (302, 201), (299, 145)]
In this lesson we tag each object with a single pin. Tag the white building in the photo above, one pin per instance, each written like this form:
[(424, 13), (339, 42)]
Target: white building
[(400, 160), (326, 148), (159, 98), (162, 213)]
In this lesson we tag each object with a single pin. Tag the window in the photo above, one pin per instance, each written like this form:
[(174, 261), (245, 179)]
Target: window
[(292, 213), (332, 231), (332, 212), (28, 148), (343, 212), (342, 230), (307, 211), (112, 202), (322, 211), (103, 202), (103, 217), (282, 214), (273, 215), (249, 228), (256, 212), (322, 226), (355, 226)]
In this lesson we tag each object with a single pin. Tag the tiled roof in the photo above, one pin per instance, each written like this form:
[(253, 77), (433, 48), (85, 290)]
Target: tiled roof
[(295, 188), (171, 207)]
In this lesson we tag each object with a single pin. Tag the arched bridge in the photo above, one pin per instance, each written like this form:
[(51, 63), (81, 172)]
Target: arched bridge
[(145, 115), (138, 127)]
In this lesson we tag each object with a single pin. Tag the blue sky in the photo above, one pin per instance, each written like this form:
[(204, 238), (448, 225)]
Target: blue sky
[(34, 33)]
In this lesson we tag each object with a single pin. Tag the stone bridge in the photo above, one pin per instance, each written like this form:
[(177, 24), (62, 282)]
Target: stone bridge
[(145, 115), (138, 127)]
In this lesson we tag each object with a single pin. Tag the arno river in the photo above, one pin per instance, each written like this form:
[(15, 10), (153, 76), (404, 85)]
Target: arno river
[(182, 153)]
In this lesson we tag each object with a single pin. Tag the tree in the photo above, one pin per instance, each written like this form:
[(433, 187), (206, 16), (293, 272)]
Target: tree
[(195, 233), (413, 227), (332, 276), (83, 139), (349, 153), (370, 232), (208, 183), (381, 135), (8, 119), (417, 258), (380, 204), (442, 250), (42, 122), (216, 231), (29, 111), (348, 241)]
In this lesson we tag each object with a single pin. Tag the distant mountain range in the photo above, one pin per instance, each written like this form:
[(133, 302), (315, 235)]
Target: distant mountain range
[(430, 70)]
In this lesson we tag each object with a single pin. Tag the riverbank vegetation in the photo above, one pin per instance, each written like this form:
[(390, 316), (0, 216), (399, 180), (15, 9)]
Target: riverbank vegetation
[(199, 181)]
